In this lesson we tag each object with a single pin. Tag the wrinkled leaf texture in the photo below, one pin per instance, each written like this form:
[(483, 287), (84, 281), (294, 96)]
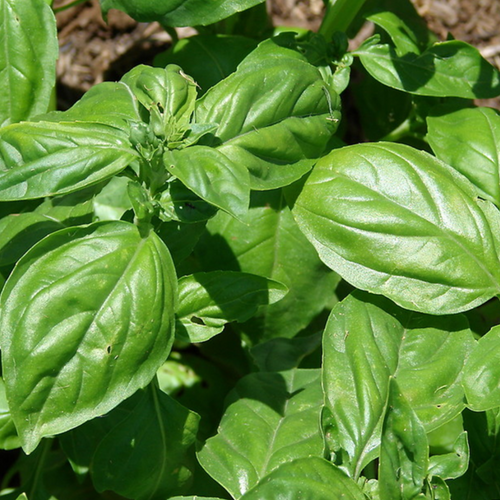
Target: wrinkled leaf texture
[(87, 318)]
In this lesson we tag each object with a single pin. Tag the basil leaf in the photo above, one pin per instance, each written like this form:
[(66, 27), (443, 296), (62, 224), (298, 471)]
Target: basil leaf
[(454, 464), (267, 242), (207, 301), (45, 159), (310, 477), (179, 12), (212, 176), (272, 418), (366, 341), (8, 434), (28, 54), (150, 453), (452, 68), (404, 453), (482, 371), (70, 355), (278, 114), (395, 221), (468, 140)]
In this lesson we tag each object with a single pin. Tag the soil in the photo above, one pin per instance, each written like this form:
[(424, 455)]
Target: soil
[(92, 50)]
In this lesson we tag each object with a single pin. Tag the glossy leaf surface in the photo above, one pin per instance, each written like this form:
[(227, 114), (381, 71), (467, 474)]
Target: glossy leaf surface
[(179, 12), (28, 53), (273, 418), (207, 301), (368, 340), (150, 454), (310, 478), (468, 140), (395, 221), (452, 68), (268, 243), (482, 372), (44, 159), (69, 355), (404, 453), (278, 113)]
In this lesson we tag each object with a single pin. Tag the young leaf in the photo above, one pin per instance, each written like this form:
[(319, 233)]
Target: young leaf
[(207, 301), (179, 12), (307, 478), (28, 54), (87, 318), (212, 176), (452, 68), (404, 453), (45, 159), (482, 371), (454, 464), (395, 221), (147, 455), (367, 340), (468, 140), (272, 418), (268, 243)]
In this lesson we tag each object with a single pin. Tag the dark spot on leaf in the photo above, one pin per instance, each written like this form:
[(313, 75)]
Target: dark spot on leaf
[(197, 321), (108, 349)]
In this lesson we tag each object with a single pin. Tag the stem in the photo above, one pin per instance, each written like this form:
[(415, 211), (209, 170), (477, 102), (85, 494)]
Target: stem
[(68, 5), (339, 16)]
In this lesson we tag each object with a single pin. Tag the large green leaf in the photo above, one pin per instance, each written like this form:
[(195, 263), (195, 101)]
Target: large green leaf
[(268, 243), (274, 114), (468, 140), (482, 372), (179, 12), (150, 454), (207, 301), (396, 221), (404, 453), (452, 68), (273, 418), (28, 53), (44, 159), (310, 478), (86, 319), (368, 340)]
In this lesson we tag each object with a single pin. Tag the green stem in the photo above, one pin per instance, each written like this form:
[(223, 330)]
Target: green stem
[(68, 5), (339, 16)]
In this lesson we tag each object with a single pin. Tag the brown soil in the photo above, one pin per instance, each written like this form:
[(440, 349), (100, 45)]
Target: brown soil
[(92, 51)]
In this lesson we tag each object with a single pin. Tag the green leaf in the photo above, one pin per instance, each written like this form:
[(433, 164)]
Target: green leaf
[(208, 58), (180, 238), (275, 114), (179, 12), (404, 453), (44, 159), (468, 140), (368, 340), (454, 464), (113, 201), (212, 176), (272, 418), (284, 354), (207, 301), (8, 435), (69, 355), (306, 479), (107, 103), (21, 231), (452, 68), (150, 454), (482, 371), (28, 53), (395, 221), (268, 243)]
